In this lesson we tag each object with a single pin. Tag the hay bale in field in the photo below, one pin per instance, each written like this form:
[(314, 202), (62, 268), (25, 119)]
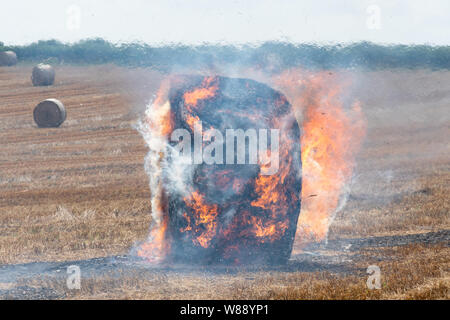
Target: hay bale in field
[(49, 113), (8, 58), (218, 219), (43, 75)]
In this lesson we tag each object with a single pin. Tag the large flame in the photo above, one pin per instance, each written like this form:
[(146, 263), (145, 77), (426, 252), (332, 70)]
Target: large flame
[(332, 133), (204, 218), (156, 126)]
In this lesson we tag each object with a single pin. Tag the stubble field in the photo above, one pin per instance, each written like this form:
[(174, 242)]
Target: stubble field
[(80, 192)]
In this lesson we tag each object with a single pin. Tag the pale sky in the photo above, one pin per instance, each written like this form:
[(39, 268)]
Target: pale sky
[(222, 21)]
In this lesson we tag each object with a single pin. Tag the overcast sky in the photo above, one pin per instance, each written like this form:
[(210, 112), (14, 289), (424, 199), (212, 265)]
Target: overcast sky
[(227, 21)]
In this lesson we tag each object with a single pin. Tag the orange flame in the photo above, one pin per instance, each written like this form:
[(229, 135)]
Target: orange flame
[(155, 248), (160, 123), (332, 134), (272, 197), (206, 91), (160, 120), (269, 231), (204, 216)]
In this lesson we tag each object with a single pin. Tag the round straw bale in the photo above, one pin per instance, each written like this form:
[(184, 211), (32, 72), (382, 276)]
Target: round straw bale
[(43, 75), (8, 58), (49, 113)]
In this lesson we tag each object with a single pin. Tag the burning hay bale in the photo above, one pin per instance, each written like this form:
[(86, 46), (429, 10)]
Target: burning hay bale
[(237, 200), (49, 113), (43, 75), (8, 58)]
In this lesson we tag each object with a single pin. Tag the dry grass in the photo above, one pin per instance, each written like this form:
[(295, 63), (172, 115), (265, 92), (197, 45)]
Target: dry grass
[(423, 208), (405, 273), (402, 177), (80, 191)]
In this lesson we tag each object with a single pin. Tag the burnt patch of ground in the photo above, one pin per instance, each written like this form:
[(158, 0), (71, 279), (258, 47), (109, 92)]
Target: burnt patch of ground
[(337, 258), (30, 293)]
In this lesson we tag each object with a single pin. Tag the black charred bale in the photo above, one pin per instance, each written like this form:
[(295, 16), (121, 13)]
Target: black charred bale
[(246, 231)]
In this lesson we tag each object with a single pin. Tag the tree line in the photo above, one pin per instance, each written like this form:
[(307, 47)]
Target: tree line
[(270, 55)]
